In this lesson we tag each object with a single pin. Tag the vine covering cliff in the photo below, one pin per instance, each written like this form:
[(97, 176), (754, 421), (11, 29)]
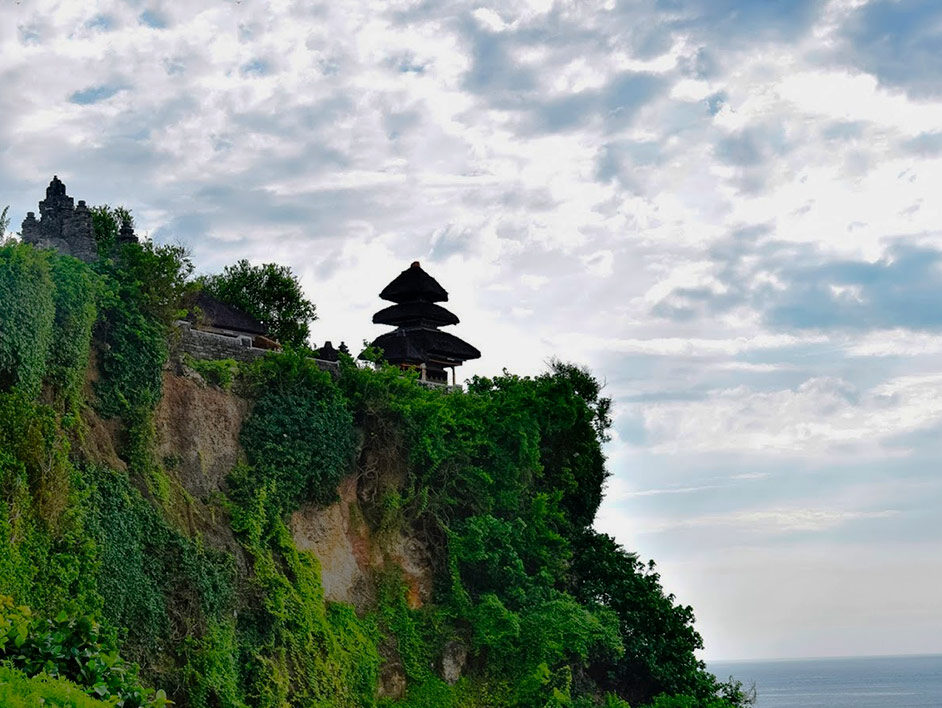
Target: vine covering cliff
[(269, 534)]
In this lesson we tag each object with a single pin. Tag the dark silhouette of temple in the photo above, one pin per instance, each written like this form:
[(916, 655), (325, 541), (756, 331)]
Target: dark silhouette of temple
[(66, 227), (417, 342)]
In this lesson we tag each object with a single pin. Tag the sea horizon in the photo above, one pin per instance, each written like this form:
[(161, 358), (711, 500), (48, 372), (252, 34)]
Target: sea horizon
[(873, 681), (822, 658)]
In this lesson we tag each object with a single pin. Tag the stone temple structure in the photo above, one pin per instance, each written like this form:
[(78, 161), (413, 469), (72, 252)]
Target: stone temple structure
[(65, 226), (417, 342)]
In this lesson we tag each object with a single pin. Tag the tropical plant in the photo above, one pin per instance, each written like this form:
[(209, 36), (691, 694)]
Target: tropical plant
[(271, 294), (73, 648)]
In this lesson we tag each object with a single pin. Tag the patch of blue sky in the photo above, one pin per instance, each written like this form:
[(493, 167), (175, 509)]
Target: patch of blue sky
[(95, 94), (752, 19), (29, 34), (901, 290), (152, 19), (101, 22), (256, 67)]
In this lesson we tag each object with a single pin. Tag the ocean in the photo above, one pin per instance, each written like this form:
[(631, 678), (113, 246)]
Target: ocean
[(859, 682)]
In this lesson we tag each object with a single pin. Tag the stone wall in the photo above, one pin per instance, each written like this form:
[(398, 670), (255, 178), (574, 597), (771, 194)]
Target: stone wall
[(209, 345), (200, 344)]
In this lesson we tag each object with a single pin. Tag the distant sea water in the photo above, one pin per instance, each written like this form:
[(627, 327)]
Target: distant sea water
[(861, 682)]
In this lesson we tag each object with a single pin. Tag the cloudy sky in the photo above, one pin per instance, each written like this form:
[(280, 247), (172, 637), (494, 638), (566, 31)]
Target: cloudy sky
[(728, 209)]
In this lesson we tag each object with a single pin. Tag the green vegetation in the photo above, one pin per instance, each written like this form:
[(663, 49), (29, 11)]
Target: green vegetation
[(218, 372), (506, 479), (299, 440), (27, 311), (271, 294), (19, 691), (75, 649), (133, 581)]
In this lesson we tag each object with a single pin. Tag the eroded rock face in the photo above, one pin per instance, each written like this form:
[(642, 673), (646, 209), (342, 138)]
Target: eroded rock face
[(337, 536), (198, 433), (392, 681), (454, 657), (349, 553), (198, 429)]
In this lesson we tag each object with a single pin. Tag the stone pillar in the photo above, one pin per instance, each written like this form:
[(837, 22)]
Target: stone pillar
[(126, 234), (30, 229), (79, 234)]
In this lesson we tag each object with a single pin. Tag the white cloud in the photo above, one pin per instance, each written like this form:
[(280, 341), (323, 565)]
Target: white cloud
[(690, 346), (844, 96), (819, 417), (896, 342), (776, 521)]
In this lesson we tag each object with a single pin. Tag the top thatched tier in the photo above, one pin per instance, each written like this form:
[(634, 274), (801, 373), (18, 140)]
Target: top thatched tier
[(414, 284)]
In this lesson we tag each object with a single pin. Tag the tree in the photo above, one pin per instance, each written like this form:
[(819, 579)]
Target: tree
[(271, 294), (658, 634), (106, 223)]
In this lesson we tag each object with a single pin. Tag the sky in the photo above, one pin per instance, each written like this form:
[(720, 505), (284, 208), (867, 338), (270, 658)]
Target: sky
[(729, 210)]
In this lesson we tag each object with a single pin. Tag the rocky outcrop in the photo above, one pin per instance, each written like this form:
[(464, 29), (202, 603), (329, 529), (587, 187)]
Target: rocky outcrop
[(198, 433), (350, 553), (454, 658), (198, 426)]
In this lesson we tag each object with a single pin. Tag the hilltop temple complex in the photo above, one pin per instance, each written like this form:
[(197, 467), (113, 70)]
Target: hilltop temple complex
[(216, 330)]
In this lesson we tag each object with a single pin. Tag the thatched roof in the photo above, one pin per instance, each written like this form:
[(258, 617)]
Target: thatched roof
[(415, 313), (414, 284), (219, 315), (414, 346)]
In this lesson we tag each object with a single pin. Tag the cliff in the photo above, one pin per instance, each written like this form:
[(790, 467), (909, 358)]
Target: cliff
[(265, 533), (197, 428)]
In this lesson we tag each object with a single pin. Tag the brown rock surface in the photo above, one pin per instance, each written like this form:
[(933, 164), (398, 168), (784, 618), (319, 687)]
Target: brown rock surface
[(349, 553), (198, 433)]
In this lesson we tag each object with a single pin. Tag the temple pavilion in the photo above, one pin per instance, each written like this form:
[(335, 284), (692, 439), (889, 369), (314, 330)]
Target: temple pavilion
[(417, 342)]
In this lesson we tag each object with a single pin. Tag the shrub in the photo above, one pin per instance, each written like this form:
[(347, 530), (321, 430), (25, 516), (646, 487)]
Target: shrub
[(19, 691), (218, 372), (299, 439), (74, 648)]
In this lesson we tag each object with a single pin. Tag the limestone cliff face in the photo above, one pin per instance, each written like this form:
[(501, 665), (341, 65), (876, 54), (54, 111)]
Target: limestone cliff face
[(198, 433), (349, 552), (197, 427)]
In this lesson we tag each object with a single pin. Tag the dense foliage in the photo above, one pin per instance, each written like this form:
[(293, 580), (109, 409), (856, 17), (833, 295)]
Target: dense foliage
[(507, 477), (271, 294), (143, 286), (27, 311), (76, 649), (299, 440), (213, 599), (17, 690)]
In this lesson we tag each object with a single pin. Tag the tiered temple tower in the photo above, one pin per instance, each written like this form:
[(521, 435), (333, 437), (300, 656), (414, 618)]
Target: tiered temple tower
[(65, 227), (417, 342)]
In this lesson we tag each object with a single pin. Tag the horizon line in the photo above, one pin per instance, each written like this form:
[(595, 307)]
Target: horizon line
[(909, 655)]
